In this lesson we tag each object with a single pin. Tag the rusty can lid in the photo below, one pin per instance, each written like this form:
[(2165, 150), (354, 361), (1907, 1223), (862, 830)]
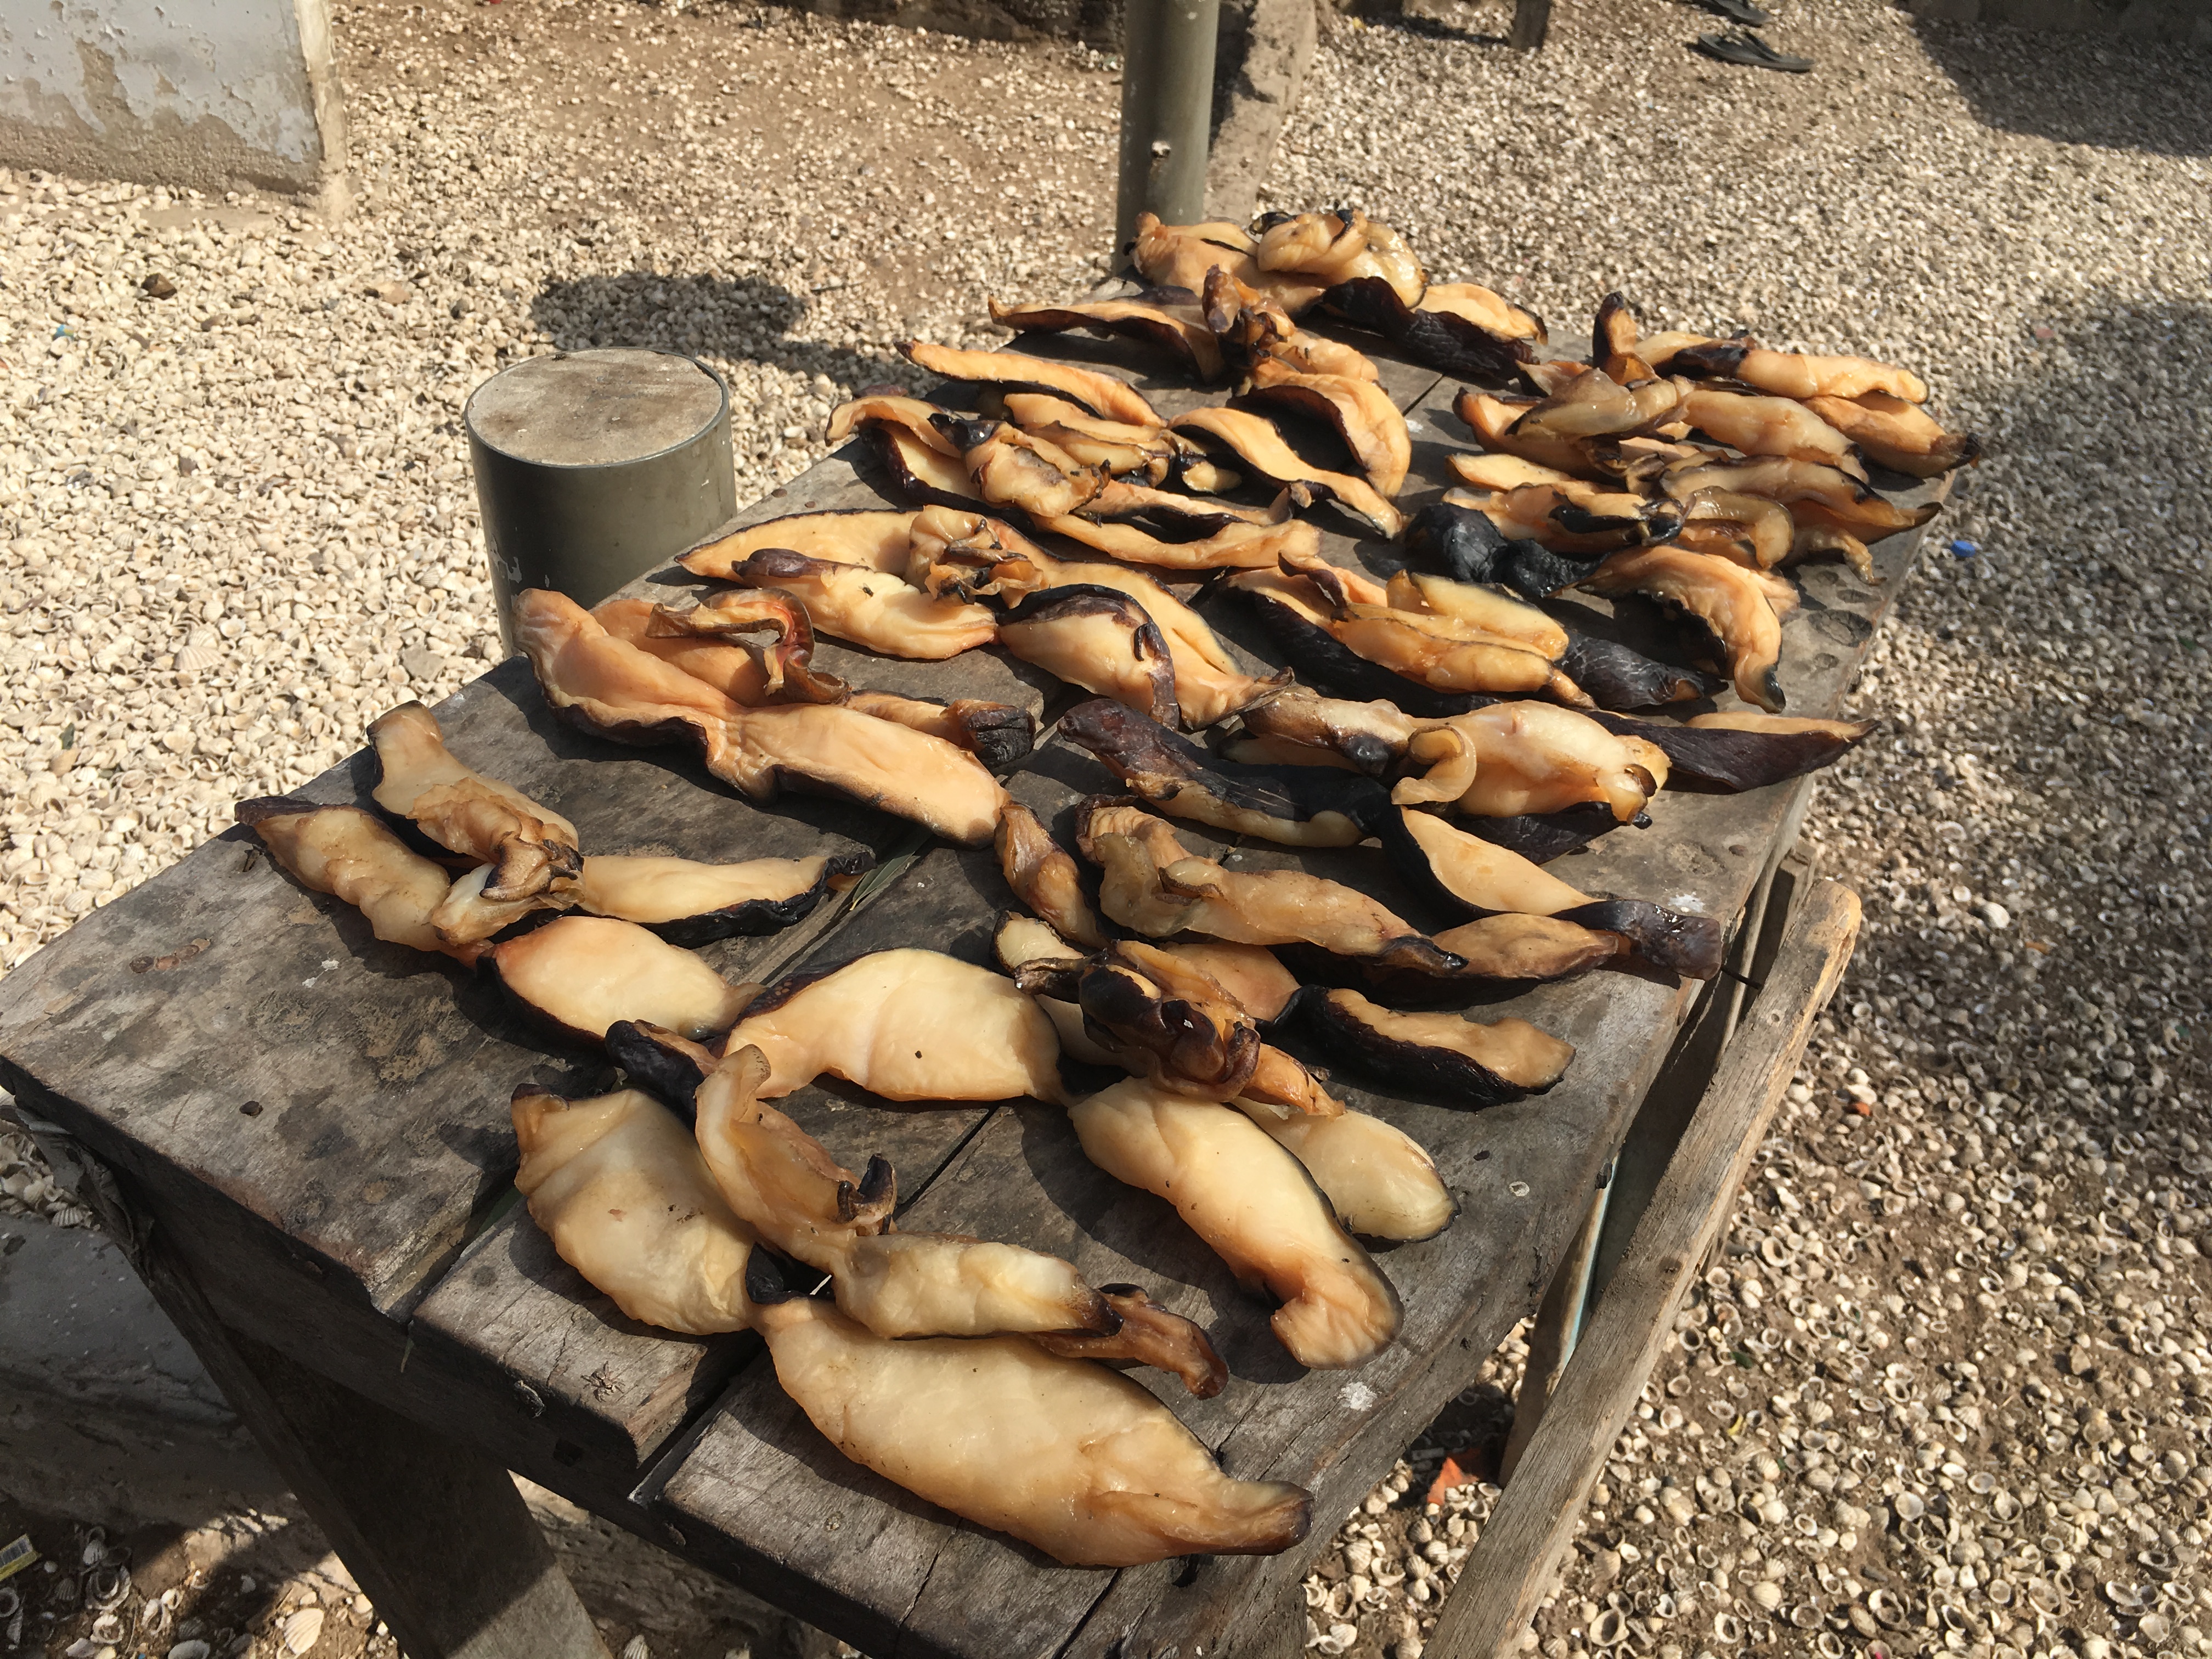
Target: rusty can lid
[(602, 408)]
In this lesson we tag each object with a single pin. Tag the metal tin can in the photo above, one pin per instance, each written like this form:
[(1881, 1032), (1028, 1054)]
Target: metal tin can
[(592, 467)]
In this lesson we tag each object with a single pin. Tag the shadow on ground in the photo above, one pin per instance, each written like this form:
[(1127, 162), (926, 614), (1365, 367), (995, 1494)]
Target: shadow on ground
[(243, 1572), (2078, 88), (736, 319)]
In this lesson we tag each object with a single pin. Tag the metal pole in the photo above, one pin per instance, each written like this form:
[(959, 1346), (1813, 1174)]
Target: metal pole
[(1167, 111), (1532, 21)]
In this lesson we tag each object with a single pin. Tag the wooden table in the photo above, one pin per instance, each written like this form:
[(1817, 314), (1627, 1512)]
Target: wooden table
[(302, 1135)]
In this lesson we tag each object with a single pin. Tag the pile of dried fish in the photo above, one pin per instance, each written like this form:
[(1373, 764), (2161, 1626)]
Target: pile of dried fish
[(1057, 515), (1686, 469), (614, 948), (926, 1328)]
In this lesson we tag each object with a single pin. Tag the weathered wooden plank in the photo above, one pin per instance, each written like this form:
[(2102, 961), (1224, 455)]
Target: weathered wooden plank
[(1515, 1560)]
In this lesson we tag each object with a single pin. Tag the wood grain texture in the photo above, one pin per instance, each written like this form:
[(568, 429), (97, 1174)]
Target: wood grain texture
[(1512, 1564)]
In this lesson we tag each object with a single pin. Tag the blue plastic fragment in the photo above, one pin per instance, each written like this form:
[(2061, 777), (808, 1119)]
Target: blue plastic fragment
[(1964, 549)]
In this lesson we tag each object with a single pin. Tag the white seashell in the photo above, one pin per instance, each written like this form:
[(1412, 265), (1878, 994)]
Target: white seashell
[(1908, 1506), (1727, 1627), (2153, 1627), (194, 1648), (1608, 1629), (1767, 1594), (302, 1630), (197, 659), (2126, 1598)]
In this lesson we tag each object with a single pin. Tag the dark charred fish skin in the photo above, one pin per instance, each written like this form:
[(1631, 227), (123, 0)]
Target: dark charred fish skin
[(757, 918), (1433, 1073), (1668, 940), (1326, 664), (1728, 762), (1159, 764), (659, 1067), (1436, 339), (1618, 677), (1540, 837), (1461, 543)]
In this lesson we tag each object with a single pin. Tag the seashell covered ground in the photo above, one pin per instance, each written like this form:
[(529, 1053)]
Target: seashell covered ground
[(1944, 1390)]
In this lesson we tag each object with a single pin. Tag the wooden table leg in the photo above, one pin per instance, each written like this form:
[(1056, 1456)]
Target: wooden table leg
[(1518, 1554), (1589, 1266), (432, 1531)]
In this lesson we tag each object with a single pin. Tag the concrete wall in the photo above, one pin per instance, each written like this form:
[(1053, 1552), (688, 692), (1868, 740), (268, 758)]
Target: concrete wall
[(210, 93), (2188, 22)]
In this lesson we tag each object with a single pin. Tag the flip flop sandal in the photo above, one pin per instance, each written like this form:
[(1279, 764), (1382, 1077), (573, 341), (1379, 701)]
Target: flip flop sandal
[(1738, 47), (1740, 11)]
